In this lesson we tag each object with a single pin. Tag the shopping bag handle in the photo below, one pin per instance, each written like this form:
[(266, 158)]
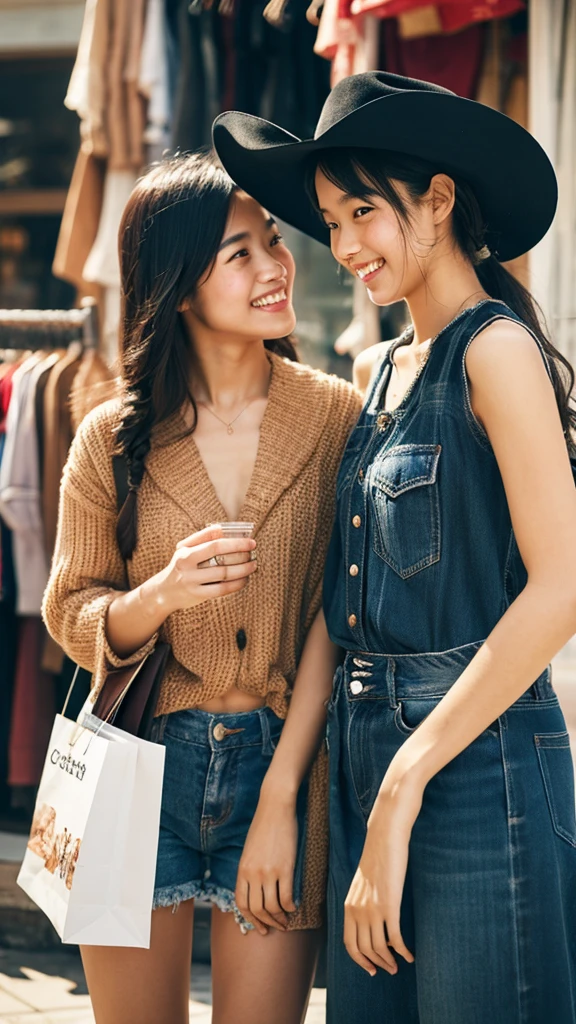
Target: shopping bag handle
[(120, 696)]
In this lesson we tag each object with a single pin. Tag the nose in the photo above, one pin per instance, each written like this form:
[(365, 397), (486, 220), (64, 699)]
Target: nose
[(271, 269), (345, 244)]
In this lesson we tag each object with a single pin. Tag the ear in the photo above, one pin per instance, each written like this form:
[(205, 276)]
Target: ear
[(185, 305), (441, 193)]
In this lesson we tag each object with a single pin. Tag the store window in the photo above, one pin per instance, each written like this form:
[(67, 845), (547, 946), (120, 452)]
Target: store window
[(38, 145)]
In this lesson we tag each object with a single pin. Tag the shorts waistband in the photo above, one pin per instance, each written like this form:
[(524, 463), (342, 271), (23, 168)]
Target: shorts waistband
[(260, 727), (420, 675)]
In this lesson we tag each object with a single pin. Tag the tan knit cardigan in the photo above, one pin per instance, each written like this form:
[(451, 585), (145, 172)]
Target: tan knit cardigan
[(291, 502)]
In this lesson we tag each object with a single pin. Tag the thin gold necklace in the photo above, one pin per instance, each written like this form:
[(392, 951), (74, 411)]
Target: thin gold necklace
[(229, 426)]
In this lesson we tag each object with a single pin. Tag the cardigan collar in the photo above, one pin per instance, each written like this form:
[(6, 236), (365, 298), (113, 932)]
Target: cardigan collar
[(297, 412)]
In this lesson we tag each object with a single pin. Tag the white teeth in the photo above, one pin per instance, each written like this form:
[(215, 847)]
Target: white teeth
[(363, 272), (270, 300)]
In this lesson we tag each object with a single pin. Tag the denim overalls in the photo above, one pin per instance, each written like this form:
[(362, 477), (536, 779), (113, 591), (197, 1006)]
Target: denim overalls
[(423, 563)]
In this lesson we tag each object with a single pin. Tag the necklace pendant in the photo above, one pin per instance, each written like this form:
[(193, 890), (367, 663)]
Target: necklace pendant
[(230, 429)]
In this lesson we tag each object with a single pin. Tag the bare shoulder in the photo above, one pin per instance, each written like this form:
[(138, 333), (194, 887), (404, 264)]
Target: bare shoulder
[(365, 363), (501, 349)]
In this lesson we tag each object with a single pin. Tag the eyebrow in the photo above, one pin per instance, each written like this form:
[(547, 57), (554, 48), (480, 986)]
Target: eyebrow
[(242, 235), (346, 198)]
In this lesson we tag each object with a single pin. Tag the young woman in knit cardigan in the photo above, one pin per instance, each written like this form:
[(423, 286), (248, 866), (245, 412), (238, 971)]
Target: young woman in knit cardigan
[(215, 424)]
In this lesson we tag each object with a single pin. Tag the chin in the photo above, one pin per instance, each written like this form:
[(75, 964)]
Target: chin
[(383, 296)]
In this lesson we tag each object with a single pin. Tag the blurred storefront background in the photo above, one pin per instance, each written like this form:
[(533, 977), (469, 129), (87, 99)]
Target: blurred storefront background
[(91, 92)]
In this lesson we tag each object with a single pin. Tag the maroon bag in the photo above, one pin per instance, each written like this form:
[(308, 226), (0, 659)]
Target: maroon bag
[(128, 696)]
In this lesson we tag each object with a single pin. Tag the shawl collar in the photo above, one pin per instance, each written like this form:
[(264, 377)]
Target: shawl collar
[(299, 404)]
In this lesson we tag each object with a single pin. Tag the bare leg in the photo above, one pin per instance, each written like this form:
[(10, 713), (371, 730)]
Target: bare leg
[(260, 979), (144, 986)]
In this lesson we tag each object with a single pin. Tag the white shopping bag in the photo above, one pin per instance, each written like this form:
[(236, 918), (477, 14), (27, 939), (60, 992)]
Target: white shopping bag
[(91, 856)]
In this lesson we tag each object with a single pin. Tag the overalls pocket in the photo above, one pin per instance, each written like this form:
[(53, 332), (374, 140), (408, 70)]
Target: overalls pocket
[(557, 770), (404, 494)]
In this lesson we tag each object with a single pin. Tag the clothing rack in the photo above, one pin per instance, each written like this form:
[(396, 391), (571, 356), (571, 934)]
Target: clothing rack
[(47, 328)]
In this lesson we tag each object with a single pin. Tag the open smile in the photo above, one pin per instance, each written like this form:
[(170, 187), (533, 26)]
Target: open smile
[(369, 270), (274, 302)]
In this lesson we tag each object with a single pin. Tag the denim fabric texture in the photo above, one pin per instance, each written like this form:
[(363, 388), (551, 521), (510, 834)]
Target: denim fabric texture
[(215, 765), (422, 565), (489, 906)]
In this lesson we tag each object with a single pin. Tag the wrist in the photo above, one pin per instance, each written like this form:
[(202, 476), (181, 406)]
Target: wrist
[(155, 599), (279, 792)]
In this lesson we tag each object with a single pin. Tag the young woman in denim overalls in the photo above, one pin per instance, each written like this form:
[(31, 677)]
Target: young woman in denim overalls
[(451, 577)]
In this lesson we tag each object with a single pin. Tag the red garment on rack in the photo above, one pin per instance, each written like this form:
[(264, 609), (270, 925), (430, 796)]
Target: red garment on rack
[(454, 14), (454, 62), (6, 394), (33, 707)]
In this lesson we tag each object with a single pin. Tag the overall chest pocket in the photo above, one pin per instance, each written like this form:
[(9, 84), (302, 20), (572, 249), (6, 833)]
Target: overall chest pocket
[(406, 503)]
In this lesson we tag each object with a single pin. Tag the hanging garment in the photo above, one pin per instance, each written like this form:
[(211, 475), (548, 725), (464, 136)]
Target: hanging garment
[(33, 707), (454, 14), (153, 76), (57, 437), (20, 504), (87, 90), (453, 61), (80, 220)]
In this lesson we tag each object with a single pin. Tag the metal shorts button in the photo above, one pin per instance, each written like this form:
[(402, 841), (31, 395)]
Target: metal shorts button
[(353, 570), (220, 731), (356, 687), (352, 620), (356, 521)]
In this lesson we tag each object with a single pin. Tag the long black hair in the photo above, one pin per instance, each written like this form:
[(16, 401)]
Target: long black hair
[(169, 237), (363, 173)]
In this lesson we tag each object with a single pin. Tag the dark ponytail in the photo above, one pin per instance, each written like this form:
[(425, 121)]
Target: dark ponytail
[(169, 237), (366, 172)]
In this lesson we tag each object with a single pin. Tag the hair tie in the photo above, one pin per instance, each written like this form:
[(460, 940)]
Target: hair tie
[(482, 254)]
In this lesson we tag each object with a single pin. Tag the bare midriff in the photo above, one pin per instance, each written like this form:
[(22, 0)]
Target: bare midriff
[(233, 701)]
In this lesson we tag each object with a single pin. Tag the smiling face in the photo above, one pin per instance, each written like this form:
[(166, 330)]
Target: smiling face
[(248, 291), (369, 239)]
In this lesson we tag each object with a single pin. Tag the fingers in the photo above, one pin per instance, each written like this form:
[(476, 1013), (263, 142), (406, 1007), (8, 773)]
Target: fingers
[(397, 942), (352, 945), (272, 913), (201, 537), (285, 891), (380, 952), (225, 573), (242, 896), (204, 550), (238, 558)]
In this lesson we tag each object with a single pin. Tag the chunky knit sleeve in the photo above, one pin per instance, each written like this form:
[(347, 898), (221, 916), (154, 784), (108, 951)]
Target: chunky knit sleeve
[(345, 409), (87, 569)]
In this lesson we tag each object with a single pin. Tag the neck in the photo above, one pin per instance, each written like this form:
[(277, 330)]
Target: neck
[(226, 371), (451, 285)]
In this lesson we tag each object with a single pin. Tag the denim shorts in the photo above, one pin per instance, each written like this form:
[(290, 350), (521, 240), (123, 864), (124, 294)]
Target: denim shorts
[(215, 765)]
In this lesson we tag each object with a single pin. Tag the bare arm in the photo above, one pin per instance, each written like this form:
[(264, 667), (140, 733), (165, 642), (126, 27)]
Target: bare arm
[(265, 875), (514, 401)]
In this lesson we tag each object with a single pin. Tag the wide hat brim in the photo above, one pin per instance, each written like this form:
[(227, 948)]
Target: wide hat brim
[(510, 173)]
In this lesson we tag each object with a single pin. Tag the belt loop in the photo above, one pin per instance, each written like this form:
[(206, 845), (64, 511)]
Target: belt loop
[(267, 746), (391, 682), (541, 688)]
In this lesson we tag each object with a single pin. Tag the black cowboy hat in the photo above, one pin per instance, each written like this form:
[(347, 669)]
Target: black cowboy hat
[(508, 170)]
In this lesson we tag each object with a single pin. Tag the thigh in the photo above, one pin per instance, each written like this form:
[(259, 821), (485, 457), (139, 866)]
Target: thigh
[(463, 893), (144, 986), (257, 979)]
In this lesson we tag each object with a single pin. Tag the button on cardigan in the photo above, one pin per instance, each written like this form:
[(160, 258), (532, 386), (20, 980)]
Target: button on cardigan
[(252, 639)]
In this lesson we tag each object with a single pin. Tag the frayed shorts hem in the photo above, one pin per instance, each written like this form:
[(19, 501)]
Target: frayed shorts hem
[(174, 895)]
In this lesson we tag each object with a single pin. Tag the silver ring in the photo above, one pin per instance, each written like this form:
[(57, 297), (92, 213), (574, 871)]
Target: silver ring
[(213, 561)]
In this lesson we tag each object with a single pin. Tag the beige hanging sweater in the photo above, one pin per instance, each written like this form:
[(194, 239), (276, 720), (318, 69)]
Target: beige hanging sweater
[(291, 502)]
